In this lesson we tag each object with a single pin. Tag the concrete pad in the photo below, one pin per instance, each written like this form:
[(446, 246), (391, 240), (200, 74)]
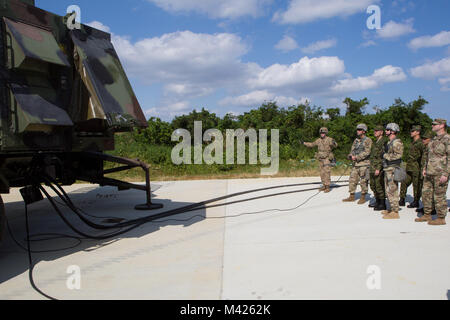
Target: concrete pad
[(170, 260), (295, 246)]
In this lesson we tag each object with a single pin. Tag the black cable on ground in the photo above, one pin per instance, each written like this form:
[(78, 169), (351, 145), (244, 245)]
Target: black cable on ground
[(30, 260), (188, 208), (31, 266), (68, 201), (98, 237), (138, 222), (257, 212), (238, 215), (64, 197), (79, 239), (53, 235)]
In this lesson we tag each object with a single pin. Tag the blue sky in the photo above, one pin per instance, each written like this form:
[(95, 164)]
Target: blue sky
[(233, 55)]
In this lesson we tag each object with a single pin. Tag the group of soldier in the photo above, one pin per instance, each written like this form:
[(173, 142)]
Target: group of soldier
[(379, 163)]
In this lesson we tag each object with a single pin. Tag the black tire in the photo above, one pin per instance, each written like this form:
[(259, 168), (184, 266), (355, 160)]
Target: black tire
[(2, 218)]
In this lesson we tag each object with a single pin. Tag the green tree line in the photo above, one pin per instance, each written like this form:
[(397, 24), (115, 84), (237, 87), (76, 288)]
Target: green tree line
[(295, 124)]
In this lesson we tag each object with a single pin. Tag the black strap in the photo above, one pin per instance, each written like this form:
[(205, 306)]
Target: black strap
[(394, 162)]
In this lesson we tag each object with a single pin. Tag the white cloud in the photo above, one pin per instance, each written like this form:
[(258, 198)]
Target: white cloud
[(100, 26), (433, 70), (228, 9), (289, 101), (379, 77), (286, 44), (393, 29), (189, 64), (306, 74), (304, 11), (186, 90), (403, 6), (439, 40), (256, 98), (319, 45), (168, 110), (249, 99), (178, 106), (368, 43), (445, 82)]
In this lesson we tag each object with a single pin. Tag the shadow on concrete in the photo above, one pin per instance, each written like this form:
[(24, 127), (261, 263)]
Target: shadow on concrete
[(409, 199), (104, 203)]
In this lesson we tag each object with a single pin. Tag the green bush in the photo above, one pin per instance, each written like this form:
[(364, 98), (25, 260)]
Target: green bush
[(295, 124)]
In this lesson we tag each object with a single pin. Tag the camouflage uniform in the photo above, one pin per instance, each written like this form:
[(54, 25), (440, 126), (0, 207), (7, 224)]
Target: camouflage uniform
[(361, 148), (436, 163), (393, 156), (376, 163), (413, 170), (324, 156)]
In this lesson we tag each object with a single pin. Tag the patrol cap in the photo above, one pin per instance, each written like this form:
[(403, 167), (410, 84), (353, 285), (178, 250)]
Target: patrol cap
[(440, 121), (416, 128), (362, 126), (324, 130), (428, 135), (379, 128)]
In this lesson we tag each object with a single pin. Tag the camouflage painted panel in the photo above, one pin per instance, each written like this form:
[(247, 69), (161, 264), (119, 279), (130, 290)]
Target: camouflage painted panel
[(29, 2), (105, 79), (35, 112), (34, 43), (20, 10)]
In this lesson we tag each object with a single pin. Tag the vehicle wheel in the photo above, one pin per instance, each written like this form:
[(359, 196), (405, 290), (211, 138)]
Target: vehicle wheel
[(2, 218)]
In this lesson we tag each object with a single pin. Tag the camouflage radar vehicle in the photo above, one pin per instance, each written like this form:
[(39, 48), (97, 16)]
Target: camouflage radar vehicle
[(63, 96)]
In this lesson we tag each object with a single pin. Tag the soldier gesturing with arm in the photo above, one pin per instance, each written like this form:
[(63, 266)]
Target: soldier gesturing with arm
[(324, 155)]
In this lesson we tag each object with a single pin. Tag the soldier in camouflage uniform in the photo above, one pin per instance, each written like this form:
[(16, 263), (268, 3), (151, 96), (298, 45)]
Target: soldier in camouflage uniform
[(325, 156), (413, 169), (392, 160), (436, 166), (360, 154), (426, 139), (376, 170)]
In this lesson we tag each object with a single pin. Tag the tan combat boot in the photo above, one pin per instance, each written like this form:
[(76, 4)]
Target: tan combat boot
[(392, 215), (363, 199), (323, 188), (350, 199), (437, 222), (327, 189), (385, 212), (424, 218)]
